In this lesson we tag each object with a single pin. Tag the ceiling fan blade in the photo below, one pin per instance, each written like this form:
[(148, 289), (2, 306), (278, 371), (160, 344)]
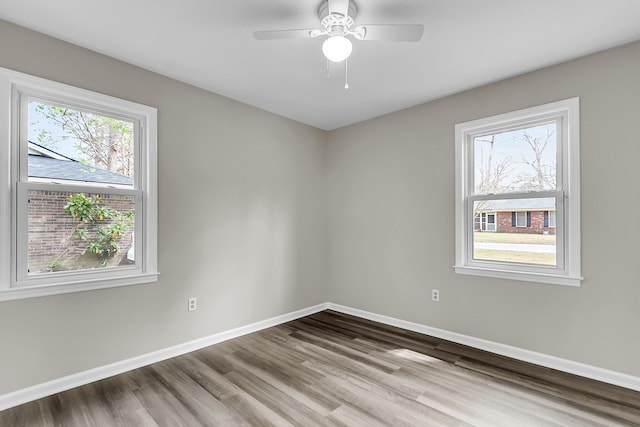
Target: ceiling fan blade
[(340, 7), (391, 32), (284, 34)]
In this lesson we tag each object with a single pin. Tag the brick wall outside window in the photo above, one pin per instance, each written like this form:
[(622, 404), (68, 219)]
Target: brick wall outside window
[(537, 224), (51, 229)]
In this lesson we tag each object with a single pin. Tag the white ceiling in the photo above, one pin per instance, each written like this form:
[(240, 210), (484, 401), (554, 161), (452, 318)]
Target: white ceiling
[(210, 44)]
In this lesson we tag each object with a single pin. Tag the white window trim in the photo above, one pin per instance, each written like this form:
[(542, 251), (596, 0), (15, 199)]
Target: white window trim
[(12, 84), (567, 272)]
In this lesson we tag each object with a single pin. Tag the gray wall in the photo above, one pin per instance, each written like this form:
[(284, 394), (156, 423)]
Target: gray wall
[(243, 221), (391, 220), (242, 224)]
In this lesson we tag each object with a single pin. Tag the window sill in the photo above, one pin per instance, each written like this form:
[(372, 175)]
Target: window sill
[(552, 279), (65, 288)]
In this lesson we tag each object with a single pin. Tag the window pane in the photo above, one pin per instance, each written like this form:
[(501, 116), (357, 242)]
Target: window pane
[(520, 233), (73, 146), (79, 231), (518, 160)]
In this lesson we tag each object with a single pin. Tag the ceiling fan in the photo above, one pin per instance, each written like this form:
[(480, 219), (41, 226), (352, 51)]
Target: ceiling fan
[(337, 21)]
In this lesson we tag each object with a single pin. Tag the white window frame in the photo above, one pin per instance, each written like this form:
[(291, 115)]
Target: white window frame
[(567, 195), (15, 283)]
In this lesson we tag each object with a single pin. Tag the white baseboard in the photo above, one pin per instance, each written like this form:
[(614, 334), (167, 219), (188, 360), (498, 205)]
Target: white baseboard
[(39, 391), (581, 369)]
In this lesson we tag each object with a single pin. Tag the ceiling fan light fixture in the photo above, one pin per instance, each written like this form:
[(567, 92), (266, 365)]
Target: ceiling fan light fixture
[(337, 48)]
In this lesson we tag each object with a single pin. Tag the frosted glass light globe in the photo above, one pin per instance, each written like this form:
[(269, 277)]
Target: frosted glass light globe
[(337, 48)]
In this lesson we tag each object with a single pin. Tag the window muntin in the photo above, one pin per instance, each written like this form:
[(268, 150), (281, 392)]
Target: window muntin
[(530, 158), (134, 189)]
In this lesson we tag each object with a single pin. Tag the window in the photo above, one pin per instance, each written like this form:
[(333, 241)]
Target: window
[(523, 167), (81, 189), (519, 219), (550, 219)]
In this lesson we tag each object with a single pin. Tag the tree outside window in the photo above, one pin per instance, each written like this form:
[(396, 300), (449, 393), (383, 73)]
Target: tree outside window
[(79, 230)]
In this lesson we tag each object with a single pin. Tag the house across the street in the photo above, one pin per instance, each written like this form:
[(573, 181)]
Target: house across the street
[(530, 216)]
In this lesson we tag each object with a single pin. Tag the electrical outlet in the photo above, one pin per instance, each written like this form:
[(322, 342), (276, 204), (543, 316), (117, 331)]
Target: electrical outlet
[(435, 294), (193, 304)]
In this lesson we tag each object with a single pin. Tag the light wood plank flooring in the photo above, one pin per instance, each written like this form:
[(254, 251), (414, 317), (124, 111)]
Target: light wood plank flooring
[(331, 369)]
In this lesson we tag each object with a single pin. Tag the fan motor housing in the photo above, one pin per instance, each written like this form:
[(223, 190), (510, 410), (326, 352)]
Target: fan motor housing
[(328, 21)]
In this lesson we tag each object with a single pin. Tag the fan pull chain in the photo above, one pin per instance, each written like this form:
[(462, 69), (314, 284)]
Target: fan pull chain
[(346, 74), (328, 73)]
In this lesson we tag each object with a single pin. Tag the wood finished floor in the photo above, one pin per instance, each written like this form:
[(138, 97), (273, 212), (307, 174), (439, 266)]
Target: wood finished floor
[(331, 369)]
